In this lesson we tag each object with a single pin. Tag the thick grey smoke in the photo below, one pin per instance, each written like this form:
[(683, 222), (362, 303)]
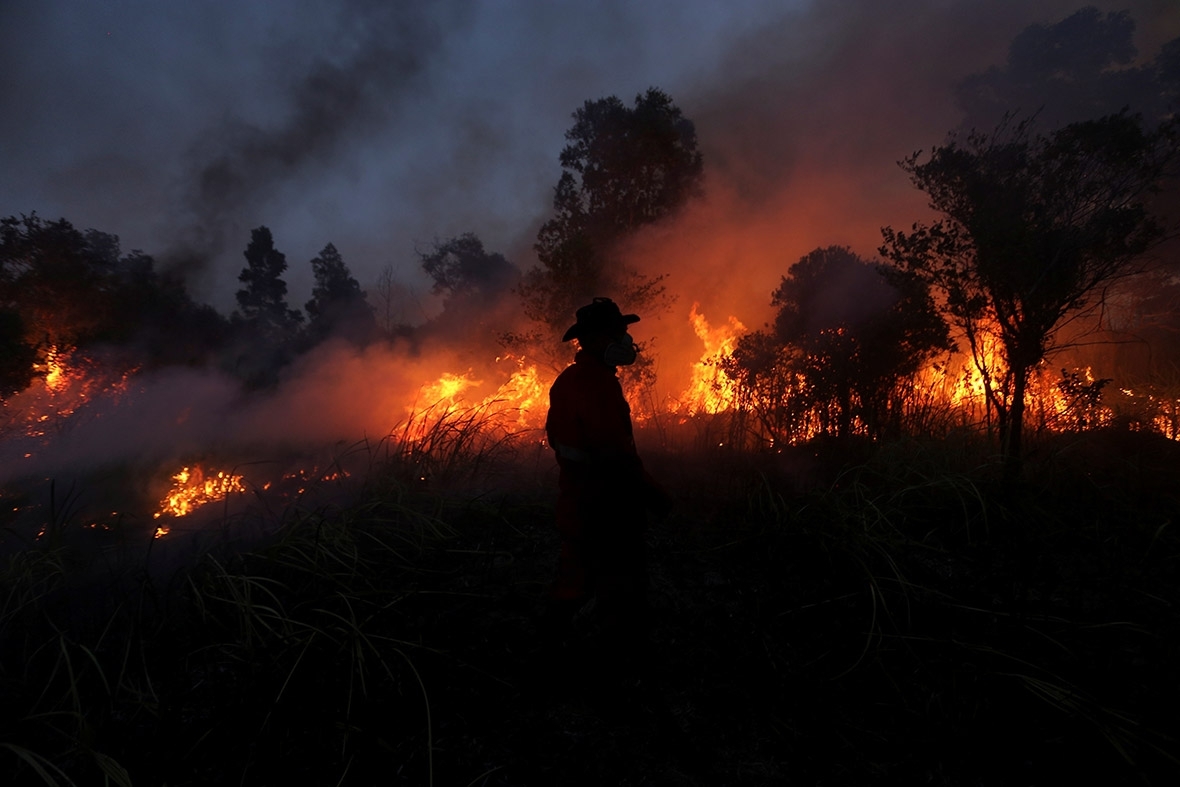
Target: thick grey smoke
[(375, 126), (335, 100)]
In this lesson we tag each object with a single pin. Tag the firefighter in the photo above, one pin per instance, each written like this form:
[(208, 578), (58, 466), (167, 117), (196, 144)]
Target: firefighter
[(605, 494)]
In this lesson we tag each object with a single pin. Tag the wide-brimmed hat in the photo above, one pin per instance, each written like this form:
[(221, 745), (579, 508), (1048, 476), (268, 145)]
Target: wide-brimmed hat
[(600, 317)]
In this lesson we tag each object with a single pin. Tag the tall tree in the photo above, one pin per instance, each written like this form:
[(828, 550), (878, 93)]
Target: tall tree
[(392, 300), (338, 304), (262, 302), (1033, 228), (622, 168)]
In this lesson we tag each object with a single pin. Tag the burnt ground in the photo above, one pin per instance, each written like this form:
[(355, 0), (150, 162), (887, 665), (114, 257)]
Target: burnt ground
[(899, 619)]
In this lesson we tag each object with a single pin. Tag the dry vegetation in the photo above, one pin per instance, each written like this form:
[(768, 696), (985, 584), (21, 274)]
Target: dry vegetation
[(836, 614)]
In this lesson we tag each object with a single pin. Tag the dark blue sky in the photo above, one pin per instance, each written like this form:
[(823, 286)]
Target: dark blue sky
[(380, 126)]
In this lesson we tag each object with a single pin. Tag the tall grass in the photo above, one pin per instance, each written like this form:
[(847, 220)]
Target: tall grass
[(946, 573), (228, 659), (890, 601)]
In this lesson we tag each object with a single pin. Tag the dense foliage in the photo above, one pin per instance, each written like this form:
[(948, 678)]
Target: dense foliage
[(623, 168), (62, 289), (847, 339)]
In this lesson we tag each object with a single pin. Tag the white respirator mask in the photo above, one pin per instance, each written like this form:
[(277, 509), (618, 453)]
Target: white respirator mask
[(621, 351)]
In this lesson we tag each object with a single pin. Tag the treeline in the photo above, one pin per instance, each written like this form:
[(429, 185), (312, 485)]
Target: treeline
[(65, 290), (1040, 216)]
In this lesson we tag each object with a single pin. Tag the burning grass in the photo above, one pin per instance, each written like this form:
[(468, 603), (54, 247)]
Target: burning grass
[(830, 613), (194, 488)]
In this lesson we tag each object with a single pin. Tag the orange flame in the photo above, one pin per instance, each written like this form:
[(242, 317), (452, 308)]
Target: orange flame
[(518, 401), (524, 393), (710, 390), (55, 370), (194, 488)]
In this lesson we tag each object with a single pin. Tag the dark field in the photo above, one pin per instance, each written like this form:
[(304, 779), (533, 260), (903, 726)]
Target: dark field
[(831, 615)]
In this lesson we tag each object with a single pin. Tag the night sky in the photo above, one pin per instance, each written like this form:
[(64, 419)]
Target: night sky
[(381, 127)]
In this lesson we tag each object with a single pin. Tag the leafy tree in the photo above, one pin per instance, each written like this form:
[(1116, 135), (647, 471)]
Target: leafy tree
[(1084, 67), (1033, 229), (338, 304), (73, 289), (473, 283), (262, 302), (57, 278), (267, 331), (846, 332), (622, 169)]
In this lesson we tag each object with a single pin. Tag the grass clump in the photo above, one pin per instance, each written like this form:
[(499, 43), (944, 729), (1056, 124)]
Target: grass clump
[(887, 614)]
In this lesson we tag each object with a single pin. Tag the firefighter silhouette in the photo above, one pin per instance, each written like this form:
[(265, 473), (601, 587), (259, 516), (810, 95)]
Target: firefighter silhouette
[(605, 494)]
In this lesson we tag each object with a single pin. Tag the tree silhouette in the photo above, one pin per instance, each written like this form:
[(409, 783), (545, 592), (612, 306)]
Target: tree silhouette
[(267, 330), (473, 283), (622, 169), (338, 305), (71, 289), (57, 278), (392, 298), (1032, 229), (262, 302), (461, 267)]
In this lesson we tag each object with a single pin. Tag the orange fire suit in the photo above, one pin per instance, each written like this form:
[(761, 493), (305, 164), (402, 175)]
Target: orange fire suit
[(604, 491)]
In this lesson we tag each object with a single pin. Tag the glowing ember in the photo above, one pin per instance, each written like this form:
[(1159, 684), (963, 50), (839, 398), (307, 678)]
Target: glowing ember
[(302, 478), (193, 489), (55, 370), (71, 382)]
